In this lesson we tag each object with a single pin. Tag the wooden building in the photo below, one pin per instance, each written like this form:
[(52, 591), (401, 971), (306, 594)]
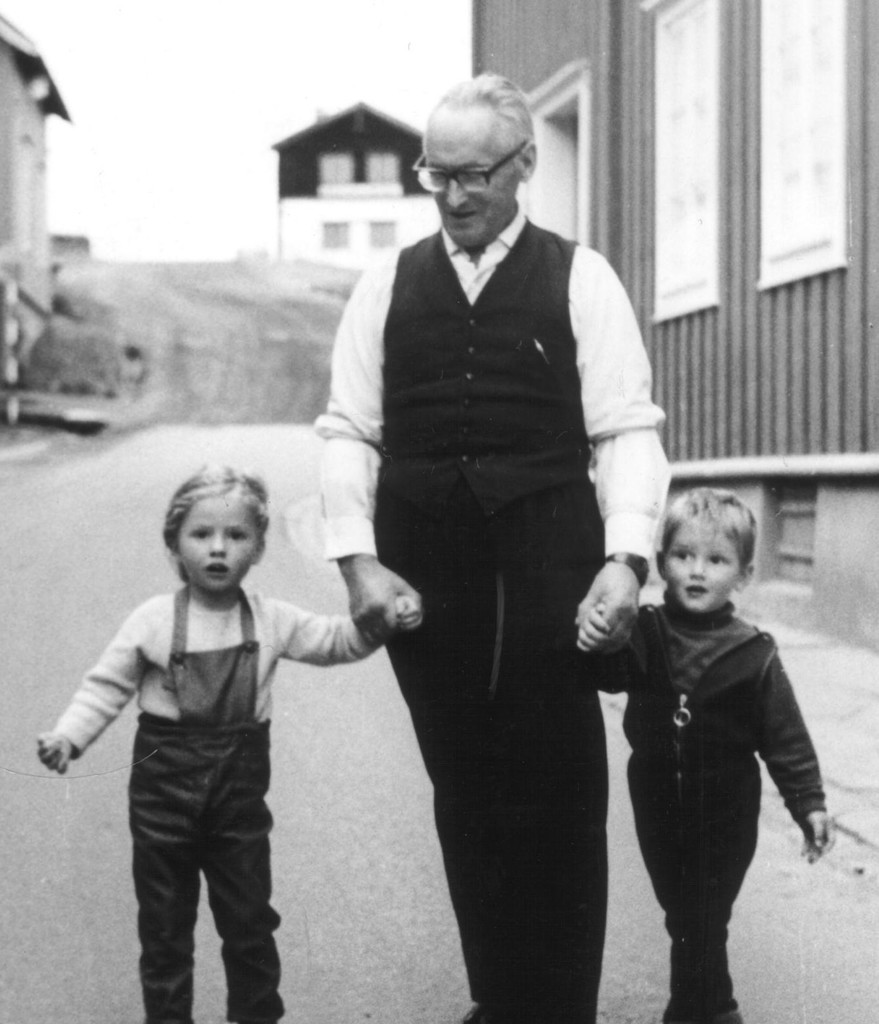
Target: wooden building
[(723, 155), (28, 96), (346, 191)]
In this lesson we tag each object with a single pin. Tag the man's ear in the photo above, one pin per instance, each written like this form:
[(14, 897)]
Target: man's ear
[(527, 161)]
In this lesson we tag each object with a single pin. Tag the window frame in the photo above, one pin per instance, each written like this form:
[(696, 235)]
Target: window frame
[(802, 236), (564, 97), (686, 267)]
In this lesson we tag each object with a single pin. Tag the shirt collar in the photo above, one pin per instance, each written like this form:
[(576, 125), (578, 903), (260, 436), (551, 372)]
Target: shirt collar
[(507, 238)]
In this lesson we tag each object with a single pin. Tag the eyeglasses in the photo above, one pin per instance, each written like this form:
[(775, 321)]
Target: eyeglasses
[(471, 179)]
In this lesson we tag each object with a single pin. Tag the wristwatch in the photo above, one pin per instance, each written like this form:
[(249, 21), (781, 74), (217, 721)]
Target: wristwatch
[(637, 563)]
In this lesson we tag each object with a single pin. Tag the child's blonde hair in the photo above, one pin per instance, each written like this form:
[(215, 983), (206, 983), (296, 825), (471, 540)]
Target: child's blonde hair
[(209, 482), (722, 509)]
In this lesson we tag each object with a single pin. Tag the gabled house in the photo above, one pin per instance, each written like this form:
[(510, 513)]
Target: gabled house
[(346, 191), (723, 155), (28, 96)]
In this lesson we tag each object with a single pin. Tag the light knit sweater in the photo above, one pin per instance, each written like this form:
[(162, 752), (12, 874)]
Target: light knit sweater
[(136, 660)]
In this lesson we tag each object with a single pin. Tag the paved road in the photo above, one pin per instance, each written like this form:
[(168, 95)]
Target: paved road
[(368, 933)]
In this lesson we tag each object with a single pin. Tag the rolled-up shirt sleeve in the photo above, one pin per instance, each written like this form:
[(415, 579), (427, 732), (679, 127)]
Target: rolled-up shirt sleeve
[(629, 469), (352, 424)]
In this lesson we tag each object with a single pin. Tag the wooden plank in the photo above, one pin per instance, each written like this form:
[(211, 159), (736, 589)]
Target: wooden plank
[(733, 292), (870, 258), (854, 400), (833, 318), (684, 387), (815, 353), (796, 343), (749, 159), (700, 385)]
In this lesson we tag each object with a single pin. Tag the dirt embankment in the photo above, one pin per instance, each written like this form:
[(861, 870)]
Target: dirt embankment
[(207, 343)]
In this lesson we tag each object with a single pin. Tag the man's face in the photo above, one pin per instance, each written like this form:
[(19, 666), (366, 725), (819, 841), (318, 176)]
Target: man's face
[(475, 137)]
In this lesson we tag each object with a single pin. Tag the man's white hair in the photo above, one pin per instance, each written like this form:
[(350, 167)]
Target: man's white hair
[(498, 94)]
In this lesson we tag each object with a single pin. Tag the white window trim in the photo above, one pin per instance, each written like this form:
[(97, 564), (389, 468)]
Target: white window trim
[(569, 89), (674, 297), (822, 243)]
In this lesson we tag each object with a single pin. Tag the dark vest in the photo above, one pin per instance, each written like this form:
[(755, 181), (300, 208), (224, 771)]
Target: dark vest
[(489, 390)]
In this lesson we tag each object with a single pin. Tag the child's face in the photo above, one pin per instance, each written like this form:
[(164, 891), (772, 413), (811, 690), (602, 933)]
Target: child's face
[(217, 545), (702, 567)]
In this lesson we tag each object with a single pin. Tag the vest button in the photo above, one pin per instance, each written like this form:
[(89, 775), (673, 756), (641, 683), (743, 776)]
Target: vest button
[(470, 350), (472, 322), (465, 458), (466, 403), (468, 376)]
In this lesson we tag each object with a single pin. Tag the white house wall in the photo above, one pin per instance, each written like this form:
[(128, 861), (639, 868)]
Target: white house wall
[(302, 220)]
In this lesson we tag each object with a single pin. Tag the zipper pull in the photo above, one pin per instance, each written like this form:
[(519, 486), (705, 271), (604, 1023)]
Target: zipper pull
[(682, 715)]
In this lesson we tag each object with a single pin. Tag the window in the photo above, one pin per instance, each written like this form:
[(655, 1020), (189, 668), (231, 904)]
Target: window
[(803, 130), (687, 195), (336, 168), (336, 235), (794, 520), (382, 234), (558, 195), (382, 168)]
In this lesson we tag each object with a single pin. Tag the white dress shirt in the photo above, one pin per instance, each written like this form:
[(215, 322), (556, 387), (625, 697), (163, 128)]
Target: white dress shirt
[(629, 467)]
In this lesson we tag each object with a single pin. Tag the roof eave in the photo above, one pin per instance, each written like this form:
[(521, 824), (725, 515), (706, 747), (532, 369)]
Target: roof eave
[(31, 65), (325, 122)]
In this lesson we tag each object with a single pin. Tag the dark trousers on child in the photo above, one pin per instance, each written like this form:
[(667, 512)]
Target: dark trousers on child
[(512, 739), (698, 840), (197, 805)]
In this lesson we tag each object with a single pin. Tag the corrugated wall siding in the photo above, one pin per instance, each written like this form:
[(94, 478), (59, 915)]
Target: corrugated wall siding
[(529, 40), (789, 370)]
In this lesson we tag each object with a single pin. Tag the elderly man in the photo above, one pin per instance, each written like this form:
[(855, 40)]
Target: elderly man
[(493, 454)]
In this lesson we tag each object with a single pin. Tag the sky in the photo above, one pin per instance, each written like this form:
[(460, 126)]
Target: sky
[(175, 105)]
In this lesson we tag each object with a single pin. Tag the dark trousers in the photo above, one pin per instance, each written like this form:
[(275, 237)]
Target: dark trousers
[(197, 805), (513, 741), (697, 854)]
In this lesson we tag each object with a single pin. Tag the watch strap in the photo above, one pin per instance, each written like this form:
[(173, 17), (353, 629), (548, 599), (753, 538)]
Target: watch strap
[(637, 563)]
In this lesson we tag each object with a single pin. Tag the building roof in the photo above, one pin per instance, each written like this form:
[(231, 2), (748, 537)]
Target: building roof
[(328, 123), (33, 68)]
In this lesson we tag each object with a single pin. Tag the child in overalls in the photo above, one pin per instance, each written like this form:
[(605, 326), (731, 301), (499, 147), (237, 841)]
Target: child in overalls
[(707, 692), (201, 664)]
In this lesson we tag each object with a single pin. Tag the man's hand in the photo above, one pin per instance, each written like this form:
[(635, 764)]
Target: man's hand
[(607, 613), (380, 601), (819, 834), (54, 751)]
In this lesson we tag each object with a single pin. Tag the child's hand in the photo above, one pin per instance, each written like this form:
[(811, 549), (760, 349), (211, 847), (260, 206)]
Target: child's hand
[(819, 832), (592, 627), (409, 613), (54, 751)]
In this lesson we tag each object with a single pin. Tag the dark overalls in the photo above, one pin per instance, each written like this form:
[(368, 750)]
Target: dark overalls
[(197, 804)]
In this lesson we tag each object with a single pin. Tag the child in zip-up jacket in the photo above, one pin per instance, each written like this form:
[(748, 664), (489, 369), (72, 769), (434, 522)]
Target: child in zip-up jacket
[(708, 692)]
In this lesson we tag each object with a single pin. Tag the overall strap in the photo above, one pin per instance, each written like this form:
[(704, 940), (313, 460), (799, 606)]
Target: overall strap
[(178, 636), (181, 615), (248, 625)]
